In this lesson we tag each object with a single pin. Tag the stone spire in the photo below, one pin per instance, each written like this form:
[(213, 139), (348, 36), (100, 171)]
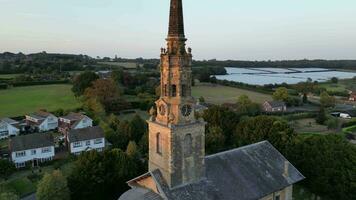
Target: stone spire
[(176, 22)]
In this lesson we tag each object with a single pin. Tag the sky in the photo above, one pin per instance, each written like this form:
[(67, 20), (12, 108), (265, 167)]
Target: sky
[(216, 29)]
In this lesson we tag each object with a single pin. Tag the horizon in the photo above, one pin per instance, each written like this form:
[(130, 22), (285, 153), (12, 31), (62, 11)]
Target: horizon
[(293, 30)]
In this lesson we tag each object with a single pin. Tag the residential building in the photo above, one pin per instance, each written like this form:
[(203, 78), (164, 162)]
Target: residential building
[(31, 149), (73, 121), (8, 127), (42, 121), (352, 96), (86, 139), (274, 106), (178, 166)]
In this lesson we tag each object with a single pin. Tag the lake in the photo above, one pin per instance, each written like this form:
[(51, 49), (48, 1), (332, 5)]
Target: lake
[(264, 76)]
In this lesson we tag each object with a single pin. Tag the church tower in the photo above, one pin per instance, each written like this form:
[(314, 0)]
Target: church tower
[(176, 137)]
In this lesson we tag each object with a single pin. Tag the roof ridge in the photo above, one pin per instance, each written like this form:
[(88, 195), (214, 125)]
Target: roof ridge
[(237, 149)]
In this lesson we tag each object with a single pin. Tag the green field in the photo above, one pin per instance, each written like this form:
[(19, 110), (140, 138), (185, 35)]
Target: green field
[(8, 76), (23, 100), (218, 94), (126, 65)]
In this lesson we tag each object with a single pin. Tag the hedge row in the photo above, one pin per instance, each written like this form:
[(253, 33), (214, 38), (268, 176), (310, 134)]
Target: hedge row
[(20, 84)]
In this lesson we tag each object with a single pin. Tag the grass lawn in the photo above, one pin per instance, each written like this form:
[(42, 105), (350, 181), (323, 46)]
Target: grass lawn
[(310, 126), (23, 100), (218, 94), (3, 143), (8, 76), (128, 116), (22, 186)]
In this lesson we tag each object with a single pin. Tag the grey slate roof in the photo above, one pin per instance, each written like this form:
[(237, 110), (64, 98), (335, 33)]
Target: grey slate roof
[(140, 193), (74, 116), (32, 141), (246, 173), (76, 135), (9, 121), (276, 104)]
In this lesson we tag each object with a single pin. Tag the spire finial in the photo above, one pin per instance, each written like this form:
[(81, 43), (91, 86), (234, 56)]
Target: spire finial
[(176, 22)]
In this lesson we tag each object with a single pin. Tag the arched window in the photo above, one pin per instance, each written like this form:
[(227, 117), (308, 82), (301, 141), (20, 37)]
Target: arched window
[(174, 90), (158, 143), (187, 147)]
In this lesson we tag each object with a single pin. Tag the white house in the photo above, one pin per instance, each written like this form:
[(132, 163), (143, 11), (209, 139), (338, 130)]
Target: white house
[(31, 149), (74, 121), (43, 121), (86, 139), (8, 127)]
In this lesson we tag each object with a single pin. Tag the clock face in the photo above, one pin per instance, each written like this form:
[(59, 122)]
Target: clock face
[(162, 110), (186, 110)]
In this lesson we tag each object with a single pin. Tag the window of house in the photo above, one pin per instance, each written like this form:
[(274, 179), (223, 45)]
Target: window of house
[(18, 165), (4, 133), (174, 90), (277, 197), (21, 154), (158, 143), (77, 144), (87, 143), (46, 150), (187, 147), (98, 141), (33, 152)]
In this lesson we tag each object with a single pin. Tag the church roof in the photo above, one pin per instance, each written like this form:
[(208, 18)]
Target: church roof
[(176, 22), (245, 173)]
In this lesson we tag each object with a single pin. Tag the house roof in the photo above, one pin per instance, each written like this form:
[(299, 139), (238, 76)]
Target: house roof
[(245, 173), (275, 104), (76, 135), (9, 121), (40, 115), (31, 141), (74, 116), (140, 193)]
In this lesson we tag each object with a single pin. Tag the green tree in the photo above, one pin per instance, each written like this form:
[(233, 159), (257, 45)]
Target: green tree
[(118, 76), (8, 196), (332, 123), (329, 163), (53, 187), (246, 106), (102, 176), (281, 94), (326, 100), (137, 127), (6, 168), (224, 118), (132, 149), (260, 128), (107, 93), (334, 80), (214, 140), (83, 81), (321, 117)]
